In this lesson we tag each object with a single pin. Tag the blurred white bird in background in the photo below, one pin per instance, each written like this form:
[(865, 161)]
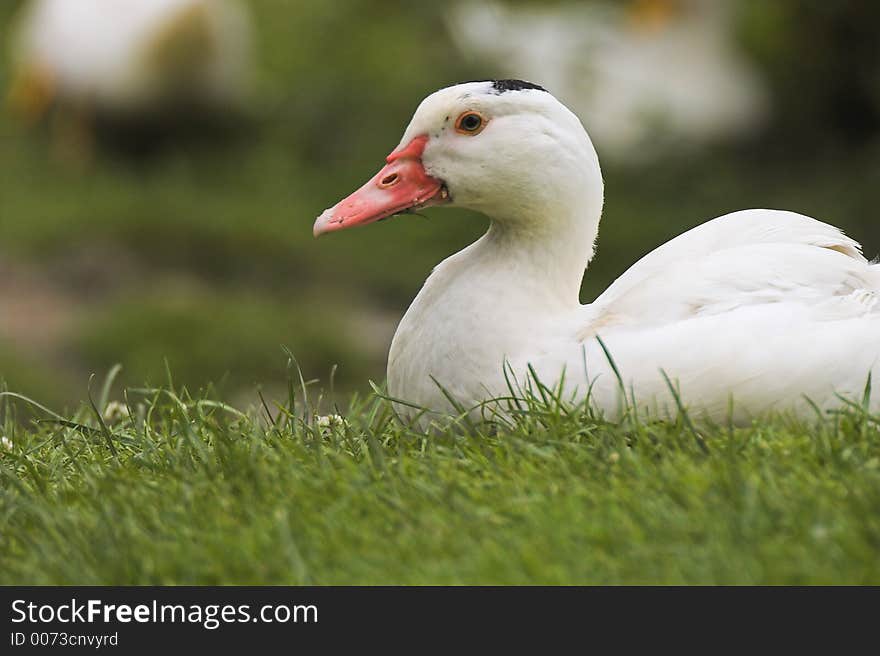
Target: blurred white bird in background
[(636, 71), (129, 59)]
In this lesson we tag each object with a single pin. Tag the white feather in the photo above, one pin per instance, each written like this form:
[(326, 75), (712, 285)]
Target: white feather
[(756, 310)]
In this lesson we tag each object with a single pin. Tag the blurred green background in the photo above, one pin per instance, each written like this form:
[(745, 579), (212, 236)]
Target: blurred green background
[(201, 252)]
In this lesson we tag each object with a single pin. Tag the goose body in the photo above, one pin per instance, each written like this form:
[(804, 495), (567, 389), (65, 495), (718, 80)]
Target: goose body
[(750, 312)]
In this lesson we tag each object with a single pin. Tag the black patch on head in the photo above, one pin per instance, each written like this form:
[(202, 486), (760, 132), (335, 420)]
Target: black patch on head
[(503, 86)]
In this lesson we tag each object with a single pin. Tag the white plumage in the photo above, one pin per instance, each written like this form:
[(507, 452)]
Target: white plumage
[(754, 311)]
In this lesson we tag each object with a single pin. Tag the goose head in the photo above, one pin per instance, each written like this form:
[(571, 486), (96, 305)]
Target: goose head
[(505, 148)]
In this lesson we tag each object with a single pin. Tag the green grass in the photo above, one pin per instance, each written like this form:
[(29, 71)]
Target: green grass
[(195, 492)]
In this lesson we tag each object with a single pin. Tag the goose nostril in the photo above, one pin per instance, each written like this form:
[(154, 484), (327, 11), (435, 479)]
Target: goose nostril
[(389, 180)]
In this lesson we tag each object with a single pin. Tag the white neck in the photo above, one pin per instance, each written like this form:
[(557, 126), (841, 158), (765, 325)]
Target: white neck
[(548, 267), (492, 301), (537, 259)]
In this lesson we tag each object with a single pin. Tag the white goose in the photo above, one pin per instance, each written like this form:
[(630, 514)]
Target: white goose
[(755, 310), (129, 56)]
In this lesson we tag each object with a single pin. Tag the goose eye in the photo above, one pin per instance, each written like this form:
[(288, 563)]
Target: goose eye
[(470, 123)]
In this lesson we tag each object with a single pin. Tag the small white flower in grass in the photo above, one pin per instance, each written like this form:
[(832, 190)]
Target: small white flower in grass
[(330, 421), (6, 443), (115, 411), (614, 457)]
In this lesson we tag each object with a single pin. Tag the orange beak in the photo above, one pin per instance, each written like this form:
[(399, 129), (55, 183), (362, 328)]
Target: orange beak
[(401, 185)]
